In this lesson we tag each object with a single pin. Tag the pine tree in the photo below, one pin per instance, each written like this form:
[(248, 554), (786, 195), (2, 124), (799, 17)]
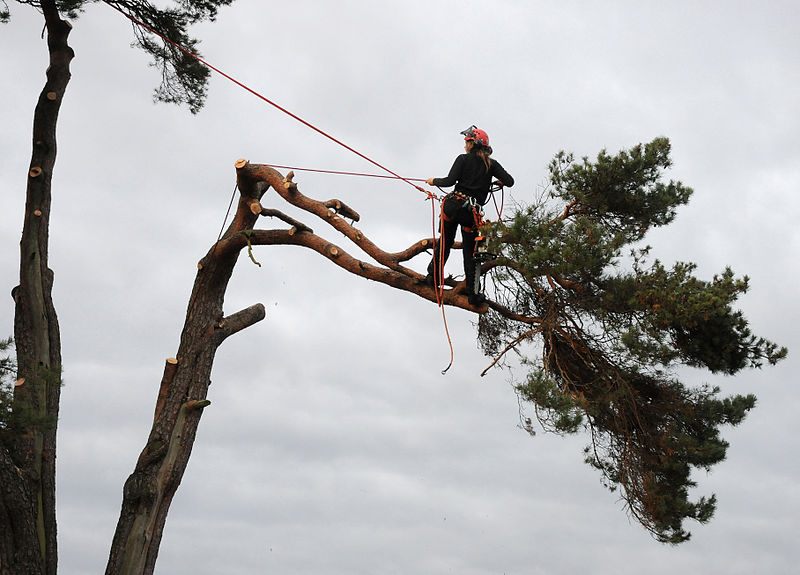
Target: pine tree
[(612, 335), (28, 542), (602, 331)]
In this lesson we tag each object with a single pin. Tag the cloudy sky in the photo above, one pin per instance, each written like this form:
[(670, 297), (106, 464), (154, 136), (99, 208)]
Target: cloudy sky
[(333, 444)]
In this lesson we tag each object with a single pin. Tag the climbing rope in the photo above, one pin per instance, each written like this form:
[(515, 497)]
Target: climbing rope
[(438, 288), (277, 106), (410, 181), (341, 173), (228, 213)]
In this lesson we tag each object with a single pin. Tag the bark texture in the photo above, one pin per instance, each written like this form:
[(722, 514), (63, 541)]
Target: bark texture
[(387, 268), (27, 463), (182, 396)]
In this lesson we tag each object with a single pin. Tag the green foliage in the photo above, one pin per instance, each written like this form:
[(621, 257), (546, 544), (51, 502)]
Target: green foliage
[(614, 330), (7, 371), (161, 32), (184, 79), (16, 416), (69, 8)]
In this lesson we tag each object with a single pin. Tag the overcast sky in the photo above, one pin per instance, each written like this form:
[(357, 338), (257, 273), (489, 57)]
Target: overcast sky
[(333, 444)]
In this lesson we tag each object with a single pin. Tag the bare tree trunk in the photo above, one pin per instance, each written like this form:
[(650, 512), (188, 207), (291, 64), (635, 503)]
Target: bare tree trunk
[(149, 490), (27, 465)]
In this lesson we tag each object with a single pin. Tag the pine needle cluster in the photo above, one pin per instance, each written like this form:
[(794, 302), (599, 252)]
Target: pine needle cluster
[(614, 329)]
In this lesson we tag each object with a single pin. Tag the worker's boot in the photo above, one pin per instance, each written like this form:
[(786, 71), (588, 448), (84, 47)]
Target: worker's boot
[(476, 298)]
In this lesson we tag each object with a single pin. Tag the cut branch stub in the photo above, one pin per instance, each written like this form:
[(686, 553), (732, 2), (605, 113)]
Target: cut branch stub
[(288, 182), (256, 207), (343, 209), (240, 163), (170, 369), (240, 320), (195, 404), (35, 172)]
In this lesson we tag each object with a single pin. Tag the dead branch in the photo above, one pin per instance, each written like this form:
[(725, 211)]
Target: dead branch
[(512, 345), (249, 174), (252, 178)]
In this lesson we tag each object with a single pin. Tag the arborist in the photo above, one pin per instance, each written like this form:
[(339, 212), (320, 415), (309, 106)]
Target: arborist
[(472, 175)]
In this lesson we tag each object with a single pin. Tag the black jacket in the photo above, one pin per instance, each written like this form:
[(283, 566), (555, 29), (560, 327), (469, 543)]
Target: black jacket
[(469, 176)]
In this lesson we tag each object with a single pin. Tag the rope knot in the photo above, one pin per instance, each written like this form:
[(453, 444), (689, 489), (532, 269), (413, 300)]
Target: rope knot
[(429, 195)]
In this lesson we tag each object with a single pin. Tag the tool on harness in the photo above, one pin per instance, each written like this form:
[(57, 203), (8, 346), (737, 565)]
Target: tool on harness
[(480, 252), (480, 255)]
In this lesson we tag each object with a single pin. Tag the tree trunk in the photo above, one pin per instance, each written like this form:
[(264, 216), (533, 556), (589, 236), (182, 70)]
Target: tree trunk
[(149, 490), (27, 464)]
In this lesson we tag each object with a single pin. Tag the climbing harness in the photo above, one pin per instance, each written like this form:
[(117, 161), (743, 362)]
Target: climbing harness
[(480, 253)]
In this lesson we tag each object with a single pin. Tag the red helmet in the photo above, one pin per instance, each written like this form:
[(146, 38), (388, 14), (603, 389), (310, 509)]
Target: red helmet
[(475, 134)]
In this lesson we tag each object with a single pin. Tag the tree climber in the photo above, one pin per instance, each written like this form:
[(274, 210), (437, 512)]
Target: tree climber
[(471, 175)]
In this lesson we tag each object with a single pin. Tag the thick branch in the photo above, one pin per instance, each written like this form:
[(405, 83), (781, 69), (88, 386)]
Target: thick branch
[(249, 174), (240, 320), (347, 262), (392, 274)]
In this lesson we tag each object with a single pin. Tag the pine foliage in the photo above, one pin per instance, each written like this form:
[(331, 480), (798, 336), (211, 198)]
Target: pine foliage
[(613, 329), (184, 80), (8, 370)]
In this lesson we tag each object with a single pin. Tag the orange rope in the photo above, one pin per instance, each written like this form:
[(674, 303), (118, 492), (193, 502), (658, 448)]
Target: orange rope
[(438, 287)]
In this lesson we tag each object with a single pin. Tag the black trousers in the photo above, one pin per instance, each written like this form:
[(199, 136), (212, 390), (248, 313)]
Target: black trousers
[(455, 213)]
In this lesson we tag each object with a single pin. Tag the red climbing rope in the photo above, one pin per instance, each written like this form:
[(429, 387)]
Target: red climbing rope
[(438, 288), (244, 86), (341, 173), (410, 181)]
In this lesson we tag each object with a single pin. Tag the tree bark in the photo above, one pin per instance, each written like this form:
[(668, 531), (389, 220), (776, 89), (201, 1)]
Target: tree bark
[(149, 490), (27, 464), (181, 398)]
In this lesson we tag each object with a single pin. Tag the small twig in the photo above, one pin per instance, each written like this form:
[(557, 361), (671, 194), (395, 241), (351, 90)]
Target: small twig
[(511, 346), (247, 234)]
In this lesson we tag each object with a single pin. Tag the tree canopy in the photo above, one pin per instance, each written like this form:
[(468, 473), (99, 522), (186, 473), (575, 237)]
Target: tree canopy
[(160, 32), (603, 332), (29, 411), (614, 328)]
